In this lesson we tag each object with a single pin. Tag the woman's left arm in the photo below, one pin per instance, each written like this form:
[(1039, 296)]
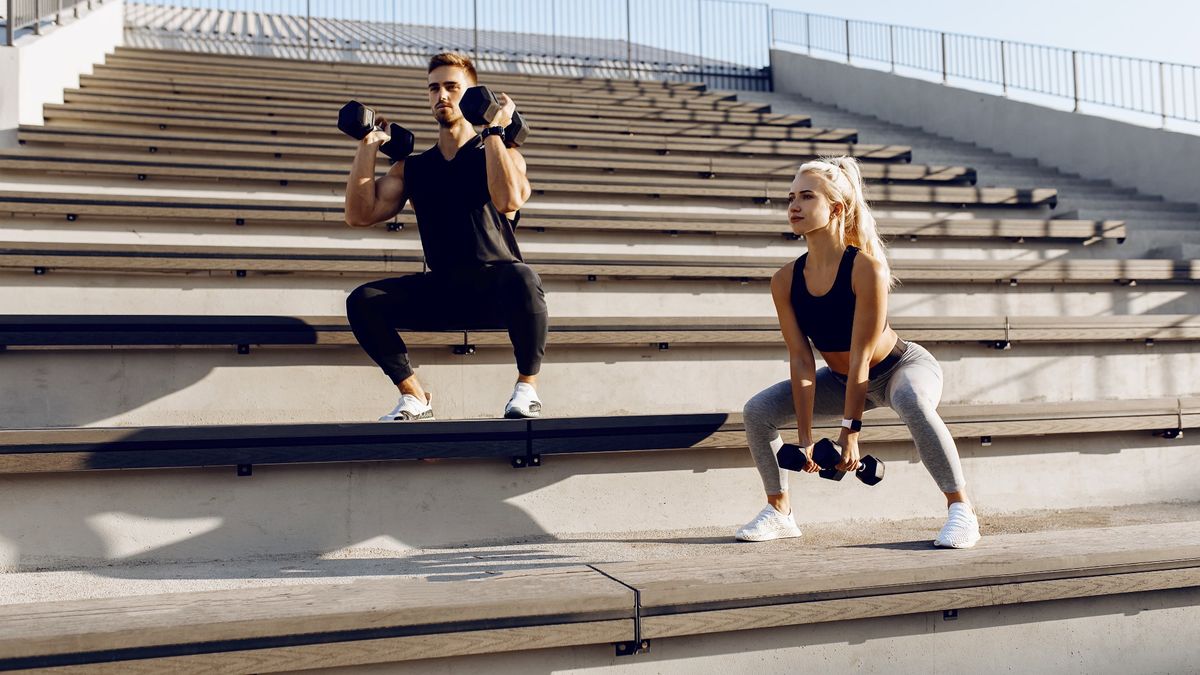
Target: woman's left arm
[(869, 283)]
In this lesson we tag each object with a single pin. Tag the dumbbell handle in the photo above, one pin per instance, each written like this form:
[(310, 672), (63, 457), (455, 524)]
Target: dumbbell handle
[(828, 455)]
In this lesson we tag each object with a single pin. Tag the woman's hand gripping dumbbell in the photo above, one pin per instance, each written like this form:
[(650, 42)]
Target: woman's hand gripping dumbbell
[(826, 455)]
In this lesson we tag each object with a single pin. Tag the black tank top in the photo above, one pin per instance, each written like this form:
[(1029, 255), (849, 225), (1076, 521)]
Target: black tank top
[(826, 319), (460, 227)]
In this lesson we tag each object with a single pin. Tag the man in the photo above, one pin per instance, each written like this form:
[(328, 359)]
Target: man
[(466, 192)]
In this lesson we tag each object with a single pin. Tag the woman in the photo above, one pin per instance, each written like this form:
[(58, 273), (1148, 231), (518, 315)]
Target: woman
[(836, 296)]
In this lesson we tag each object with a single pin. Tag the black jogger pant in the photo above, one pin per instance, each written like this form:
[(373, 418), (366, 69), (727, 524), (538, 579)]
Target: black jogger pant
[(505, 295)]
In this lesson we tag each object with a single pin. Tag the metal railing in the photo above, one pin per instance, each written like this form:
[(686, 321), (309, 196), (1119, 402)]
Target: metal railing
[(1170, 91), (32, 14), (722, 42)]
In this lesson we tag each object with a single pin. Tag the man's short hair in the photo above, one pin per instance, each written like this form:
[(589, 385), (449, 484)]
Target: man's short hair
[(454, 59)]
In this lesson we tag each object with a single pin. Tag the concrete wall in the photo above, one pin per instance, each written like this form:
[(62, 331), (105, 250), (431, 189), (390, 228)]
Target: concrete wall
[(95, 518), (36, 69), (1152, 160)]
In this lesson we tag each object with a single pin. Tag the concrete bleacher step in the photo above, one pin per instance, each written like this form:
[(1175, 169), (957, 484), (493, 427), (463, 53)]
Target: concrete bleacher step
[(386, 101), (248, 381), (196, 61), (323, 488), (578, 613), (50, 156), (117, 133)]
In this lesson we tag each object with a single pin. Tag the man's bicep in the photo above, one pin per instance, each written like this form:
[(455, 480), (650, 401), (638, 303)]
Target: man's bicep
[(390, 194)]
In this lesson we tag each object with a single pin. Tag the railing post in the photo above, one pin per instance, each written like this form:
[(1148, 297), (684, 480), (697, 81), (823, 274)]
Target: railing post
[(308, 29), (58, 14), (475, 24), (1162, 90), (847, 40), (808, 32), (1003, 69), (1075, 78), (945, 70), (37, 17)]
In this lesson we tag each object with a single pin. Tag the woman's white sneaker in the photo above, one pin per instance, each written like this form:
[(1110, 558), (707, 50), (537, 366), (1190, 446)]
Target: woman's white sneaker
[(767, 525), (410, 409), (524, 403), (961, 529)]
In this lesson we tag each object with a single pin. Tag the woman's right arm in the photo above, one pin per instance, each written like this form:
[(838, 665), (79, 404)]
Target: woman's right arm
[(370, 201), (803, 365)]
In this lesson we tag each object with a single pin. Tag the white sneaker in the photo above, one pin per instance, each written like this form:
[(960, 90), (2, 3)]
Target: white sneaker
[(767, 525), (524, 403), (410, 409), (961, 529)]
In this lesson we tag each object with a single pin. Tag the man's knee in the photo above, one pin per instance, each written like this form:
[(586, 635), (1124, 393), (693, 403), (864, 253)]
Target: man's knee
[(357, 301), (524, 286)]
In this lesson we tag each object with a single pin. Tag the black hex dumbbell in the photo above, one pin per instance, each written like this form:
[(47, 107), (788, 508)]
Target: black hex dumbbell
[(828, 455), (357, 120), (479, 105), (791, 457)]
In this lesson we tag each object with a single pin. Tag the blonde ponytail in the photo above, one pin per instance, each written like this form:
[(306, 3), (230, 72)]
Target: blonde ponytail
[(856, 227)]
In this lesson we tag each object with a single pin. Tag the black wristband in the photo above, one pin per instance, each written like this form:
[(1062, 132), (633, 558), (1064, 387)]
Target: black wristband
[(493, 131)]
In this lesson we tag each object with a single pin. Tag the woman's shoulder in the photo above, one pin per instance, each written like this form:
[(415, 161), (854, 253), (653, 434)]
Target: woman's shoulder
[(781, 280), (869, 268)]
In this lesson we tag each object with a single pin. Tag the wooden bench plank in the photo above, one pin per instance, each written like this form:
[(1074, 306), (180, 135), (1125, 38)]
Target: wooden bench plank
[(108, 78), (802, 586), (568, 606), (115, 135), (91, 448), (235, 165), (550, 181), (131, 258), (167, 331), (230, 211), (326, 108), (226, 130), (560, 125)]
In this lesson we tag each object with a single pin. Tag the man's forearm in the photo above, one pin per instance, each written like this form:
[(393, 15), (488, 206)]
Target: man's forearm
[(360, 187), (507, 184)]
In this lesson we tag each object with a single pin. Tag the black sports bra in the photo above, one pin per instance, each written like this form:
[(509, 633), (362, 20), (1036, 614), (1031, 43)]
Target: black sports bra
[(826, 319)]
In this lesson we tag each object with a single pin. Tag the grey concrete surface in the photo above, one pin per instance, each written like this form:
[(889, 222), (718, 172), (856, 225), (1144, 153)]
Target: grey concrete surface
[(533, 553)]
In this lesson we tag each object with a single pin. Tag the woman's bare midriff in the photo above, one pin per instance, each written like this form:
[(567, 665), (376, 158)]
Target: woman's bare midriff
[(839, 362)]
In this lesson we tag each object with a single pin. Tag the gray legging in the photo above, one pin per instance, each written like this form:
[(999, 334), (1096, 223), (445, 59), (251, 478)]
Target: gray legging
[(912, 387)]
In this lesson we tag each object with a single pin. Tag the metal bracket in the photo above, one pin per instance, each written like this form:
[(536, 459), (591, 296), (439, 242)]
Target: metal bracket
[(245, 469), (464, 349), (632, 647), (395, 226), (243, 349), (950, 615), (985, 441), (526, 461)]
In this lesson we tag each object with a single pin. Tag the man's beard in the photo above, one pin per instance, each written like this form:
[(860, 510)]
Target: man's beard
[(445, 121)]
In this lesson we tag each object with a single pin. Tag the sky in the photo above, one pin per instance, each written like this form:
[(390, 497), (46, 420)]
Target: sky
[(1162, 30)]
